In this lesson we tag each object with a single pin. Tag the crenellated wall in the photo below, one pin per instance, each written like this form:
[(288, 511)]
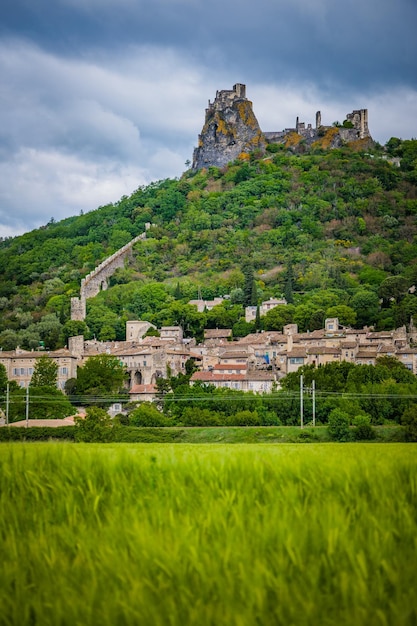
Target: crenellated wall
[(96, 280)]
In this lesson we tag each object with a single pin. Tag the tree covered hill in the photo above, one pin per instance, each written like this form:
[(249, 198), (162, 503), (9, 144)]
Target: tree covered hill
[(335, 231)]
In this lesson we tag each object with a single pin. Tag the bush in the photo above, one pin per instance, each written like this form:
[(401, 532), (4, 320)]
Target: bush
[(96, 427), (244, 418), (147, 415), (201, 417), (37, 433), (339, 426), (409, 420), (133, 434), (363, 430)]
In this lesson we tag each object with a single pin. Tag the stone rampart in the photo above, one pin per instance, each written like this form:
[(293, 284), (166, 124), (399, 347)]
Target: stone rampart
[(96, 280)]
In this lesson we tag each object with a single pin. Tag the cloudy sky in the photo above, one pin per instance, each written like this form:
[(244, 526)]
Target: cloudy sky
[(98, 97)]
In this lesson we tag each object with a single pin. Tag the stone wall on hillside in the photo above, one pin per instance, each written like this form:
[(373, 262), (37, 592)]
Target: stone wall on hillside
[(97, 280)]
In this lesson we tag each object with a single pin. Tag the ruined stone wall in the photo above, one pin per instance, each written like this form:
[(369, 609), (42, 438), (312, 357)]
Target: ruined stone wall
[(96, 280), (310, 135)]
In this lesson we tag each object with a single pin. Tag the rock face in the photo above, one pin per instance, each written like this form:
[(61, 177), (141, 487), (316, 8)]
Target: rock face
[(230, 129)]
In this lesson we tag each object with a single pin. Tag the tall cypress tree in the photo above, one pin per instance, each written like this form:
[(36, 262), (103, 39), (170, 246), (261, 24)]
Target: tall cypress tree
[(249, 288), (289, 281)]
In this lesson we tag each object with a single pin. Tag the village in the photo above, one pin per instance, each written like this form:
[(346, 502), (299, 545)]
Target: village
[(255, 363)]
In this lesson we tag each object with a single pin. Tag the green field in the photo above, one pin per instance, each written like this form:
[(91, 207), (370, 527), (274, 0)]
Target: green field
[(161, 534)]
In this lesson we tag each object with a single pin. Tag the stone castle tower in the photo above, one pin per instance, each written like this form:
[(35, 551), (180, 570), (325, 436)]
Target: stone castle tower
[(230, 129)]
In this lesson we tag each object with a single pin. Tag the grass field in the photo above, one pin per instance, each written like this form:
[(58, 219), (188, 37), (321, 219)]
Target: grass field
[(241, 535)]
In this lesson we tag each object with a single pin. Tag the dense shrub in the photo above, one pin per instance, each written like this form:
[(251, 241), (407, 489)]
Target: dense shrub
[(244, 418), (409, 419), (133, 434), (147, 415), (339, 425), (363, 431), (37, 433), (201, 417), (96, 427)]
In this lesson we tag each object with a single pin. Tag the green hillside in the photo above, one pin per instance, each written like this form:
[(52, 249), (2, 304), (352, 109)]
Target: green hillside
[(332, 230)]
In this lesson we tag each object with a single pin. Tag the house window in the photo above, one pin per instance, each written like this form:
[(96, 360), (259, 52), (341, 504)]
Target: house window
[(22, 371), (30, 371), (16, 371), (117, 407), (64, 371), (296, 360)]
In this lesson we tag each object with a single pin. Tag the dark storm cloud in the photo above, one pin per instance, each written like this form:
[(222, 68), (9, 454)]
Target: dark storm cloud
[(100, 96), (351, 43)]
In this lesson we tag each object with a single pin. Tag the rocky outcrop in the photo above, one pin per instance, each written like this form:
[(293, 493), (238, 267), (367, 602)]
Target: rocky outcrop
[(230, 130)]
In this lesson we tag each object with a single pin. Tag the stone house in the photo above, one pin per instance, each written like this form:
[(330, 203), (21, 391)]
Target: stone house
[(257, 382), (264, 307), (321, 355), (408, 357), (20, 364)]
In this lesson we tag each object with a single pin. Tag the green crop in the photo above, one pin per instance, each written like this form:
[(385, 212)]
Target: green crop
[(242, 535)]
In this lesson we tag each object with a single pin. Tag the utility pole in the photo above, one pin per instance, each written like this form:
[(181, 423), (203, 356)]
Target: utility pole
[(301, 402), (313, 388), (27, 406), (7, 403)]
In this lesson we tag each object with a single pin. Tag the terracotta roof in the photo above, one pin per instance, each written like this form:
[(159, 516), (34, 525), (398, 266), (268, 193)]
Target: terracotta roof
[(406, 351), (259, 375), (234, 355), (380, 335), (366, 354), (212, 376), (143, 389), (323, 350), (157, 341), (180, 352), (297, 352), (254, 338), (314, 334), (277, 337), (28, 354), (54, 423), (131, 351), (230, 366), (217, 333), (348, 344)]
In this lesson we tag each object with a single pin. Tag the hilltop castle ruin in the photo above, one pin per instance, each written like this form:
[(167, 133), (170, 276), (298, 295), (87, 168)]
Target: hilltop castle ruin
[(231, 130)]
